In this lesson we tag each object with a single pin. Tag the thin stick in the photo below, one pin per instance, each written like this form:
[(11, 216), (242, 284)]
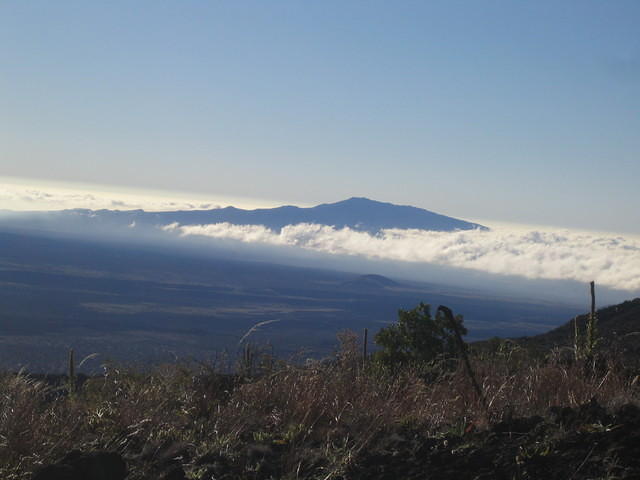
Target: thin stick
[(72, 372), (583, 462), (364, 347), (577, 351)]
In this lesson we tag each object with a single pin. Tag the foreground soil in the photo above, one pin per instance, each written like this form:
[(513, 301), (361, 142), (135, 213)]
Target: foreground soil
[(586, 442), (582, 443)]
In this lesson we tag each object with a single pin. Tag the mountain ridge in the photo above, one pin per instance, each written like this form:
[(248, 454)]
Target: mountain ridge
[(357, 213)]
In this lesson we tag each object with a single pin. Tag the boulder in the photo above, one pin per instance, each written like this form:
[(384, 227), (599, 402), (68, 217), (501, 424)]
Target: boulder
[(79, 465)]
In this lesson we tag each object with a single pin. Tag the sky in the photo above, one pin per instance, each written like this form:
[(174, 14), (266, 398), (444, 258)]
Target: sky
[(523, 112)]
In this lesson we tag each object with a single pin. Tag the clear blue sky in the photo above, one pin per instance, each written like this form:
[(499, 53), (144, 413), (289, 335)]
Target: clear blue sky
[(509, 110)]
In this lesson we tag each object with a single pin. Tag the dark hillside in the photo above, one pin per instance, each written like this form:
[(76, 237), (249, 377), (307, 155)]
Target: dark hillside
[(615, 323)]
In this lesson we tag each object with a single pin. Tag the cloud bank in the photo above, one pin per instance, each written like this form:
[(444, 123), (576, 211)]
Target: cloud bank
[(27, 195), (20, 197), (611, 260)]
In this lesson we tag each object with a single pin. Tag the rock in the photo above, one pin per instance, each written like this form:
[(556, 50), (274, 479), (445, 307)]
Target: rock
[(587, 413), (174, 472), (85, 466), (518, 425), (56, 472)]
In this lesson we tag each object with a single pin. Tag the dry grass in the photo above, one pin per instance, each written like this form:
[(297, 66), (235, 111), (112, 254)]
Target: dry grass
[(319, 416)]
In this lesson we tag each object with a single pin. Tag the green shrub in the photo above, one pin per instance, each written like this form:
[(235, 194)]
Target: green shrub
[(417, 338)]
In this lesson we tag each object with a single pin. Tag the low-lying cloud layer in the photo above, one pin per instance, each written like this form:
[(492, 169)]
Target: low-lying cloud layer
[(609, 259), (21, 196)]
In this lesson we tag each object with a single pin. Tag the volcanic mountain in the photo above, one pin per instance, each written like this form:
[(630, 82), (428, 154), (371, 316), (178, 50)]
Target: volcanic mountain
[(356, 213)]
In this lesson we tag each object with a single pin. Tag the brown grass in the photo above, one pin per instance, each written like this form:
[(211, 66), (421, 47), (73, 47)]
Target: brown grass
[(320, 415)]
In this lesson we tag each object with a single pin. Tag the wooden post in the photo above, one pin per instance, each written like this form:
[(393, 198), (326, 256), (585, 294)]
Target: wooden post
[(72, 372), (364, 347), (577, 350), (593, 300), (592, 327)]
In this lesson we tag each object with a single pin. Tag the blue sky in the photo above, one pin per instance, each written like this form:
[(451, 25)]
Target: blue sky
[(516, 111)]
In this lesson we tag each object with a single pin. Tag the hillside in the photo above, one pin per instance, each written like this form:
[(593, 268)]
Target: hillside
[(616, 323), (370, 282)]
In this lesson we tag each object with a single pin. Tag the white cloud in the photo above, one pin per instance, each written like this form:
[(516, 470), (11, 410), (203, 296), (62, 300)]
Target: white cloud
[(18, 197), (609, 259), (23, 194)]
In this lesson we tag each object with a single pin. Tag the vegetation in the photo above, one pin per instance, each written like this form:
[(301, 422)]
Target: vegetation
[(344, 418), (418, 338)]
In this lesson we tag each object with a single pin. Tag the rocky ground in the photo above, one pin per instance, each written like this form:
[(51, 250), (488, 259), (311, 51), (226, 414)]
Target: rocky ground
[(581, 443)]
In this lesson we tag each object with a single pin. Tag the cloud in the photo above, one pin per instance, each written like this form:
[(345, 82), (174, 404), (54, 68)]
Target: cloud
[(609, 259), (27, 197)]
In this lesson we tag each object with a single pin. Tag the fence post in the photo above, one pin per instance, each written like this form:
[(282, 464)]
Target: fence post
[(364, 347), (72, 372)]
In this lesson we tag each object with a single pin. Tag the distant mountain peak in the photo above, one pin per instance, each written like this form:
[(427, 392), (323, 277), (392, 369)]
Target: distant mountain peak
[(370, 281), (362, 213), (359, 201), (356, 213)]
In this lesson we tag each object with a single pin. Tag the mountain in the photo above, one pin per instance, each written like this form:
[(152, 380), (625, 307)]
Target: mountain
[(370, 282), (356, 213)]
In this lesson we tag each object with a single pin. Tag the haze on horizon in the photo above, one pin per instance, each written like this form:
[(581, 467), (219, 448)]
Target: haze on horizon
[(516, 112)]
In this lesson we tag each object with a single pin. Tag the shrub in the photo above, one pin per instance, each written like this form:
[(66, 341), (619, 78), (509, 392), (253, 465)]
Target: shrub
[(417, 338)]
